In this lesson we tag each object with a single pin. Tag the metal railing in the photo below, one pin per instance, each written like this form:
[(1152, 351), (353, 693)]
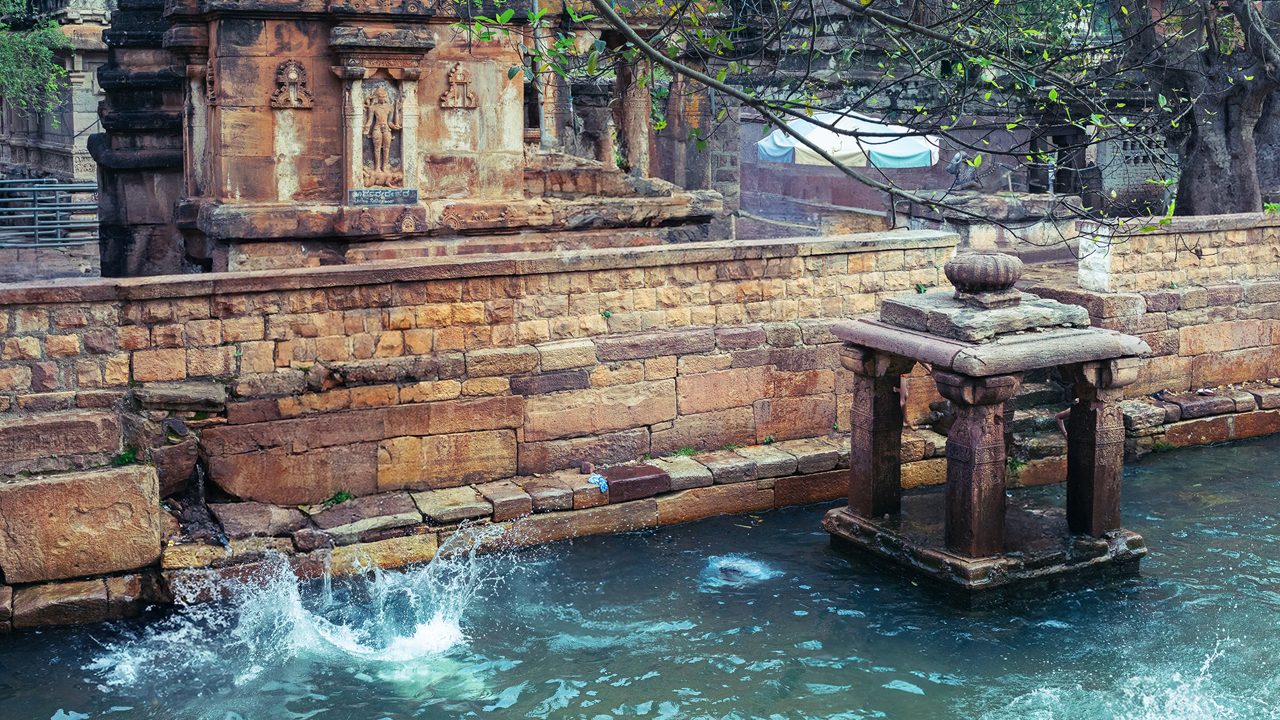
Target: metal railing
[(45, 212)]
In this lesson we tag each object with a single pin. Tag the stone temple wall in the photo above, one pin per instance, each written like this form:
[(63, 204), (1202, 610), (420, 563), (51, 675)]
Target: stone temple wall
[(298, 386)]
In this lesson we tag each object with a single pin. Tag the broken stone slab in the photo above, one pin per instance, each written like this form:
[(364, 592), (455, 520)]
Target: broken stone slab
[(727, 466), (1139, 415), (547, 493), (248, 519), (509, 501), (362, 508), (1194, 405), (842, 446), (1244, 400), (812, 455), (770, 462), (635, 482), (388, 554), (452, 505), (306, 540), (174, 465), (1266, 395), (66, 603), (79, 524), (913, 447), (585, 493), (942, 314), (685, 472), (236, 552), (935, 444), (185, 396)]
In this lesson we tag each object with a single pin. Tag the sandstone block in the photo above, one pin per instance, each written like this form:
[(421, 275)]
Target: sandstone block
[(203, 555), (1040, 471), (541, 457), (740, 338), (347, 520), (924, 472), (770, 462), (707, 430), (550, 382), (1261, 291), (1255, 424), (913, 447), (698, 503), (502, 361), (249, 519), (567, 354), (1139, 414), (653, 344), (278, 477), (450, 460), (789, 418), (175, 464), (685, 472), (842, 446), (606, 519), (1244, 401), (6, 602), (599, 410), (809, 489), (812, 456), (547, 493), (633, 482), (387, 554), (508, 500), (69, 603), (1267, 396), (87, 523), (727, 467), (160, 365), (1194, 405), (66, 433), (1202, 431), (452, 505), (1223, 368), (721, 390)]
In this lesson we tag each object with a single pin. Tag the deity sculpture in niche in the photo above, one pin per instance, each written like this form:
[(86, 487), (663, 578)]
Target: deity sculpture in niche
[(383, 120)]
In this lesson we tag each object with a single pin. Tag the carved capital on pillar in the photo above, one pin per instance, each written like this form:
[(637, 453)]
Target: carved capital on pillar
[(1104, 375), (872, 363), (966, 390)]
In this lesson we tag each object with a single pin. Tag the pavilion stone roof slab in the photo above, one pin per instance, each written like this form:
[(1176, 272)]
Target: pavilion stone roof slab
[(943, 315)]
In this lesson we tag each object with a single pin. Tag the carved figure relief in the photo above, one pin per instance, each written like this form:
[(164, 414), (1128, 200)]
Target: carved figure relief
[(458, 94), (210, 91), (382, 124), (365, 223), (407, 222), (291, 87)]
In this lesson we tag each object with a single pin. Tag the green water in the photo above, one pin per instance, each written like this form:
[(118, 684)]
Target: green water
[(741, 617)]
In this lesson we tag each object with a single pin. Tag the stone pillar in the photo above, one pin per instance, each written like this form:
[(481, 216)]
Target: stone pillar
[(352, 127), (636, 115), (875, 454), (1095, 444), (409, 125), (975, 502)]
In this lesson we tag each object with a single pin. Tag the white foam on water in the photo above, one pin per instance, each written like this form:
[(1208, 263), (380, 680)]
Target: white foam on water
[(734, 571), (386, 624)]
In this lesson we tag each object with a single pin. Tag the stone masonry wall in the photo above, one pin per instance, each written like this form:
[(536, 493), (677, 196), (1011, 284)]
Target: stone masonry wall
[(1201, 250)]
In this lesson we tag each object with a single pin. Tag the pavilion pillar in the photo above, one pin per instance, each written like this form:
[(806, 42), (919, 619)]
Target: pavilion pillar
[(875, 455), (1095, 444), (975, 501)]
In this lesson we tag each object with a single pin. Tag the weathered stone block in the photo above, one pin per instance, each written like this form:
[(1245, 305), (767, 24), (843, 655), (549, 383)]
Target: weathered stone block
[(685, 472), (727, 467), (502, 361), (740, 338), (347, 520), (387, 554), (698, 503), (1267, 396), (654, 344), (1139, 414), (808, 489), (547, 493), (160, 365), (175, 464), (1255, 424), (633, 482), (550, 382), (452, 505), (1040, 471), (721, 390), (789, 418), (69, 603), (924, 472), (191, 396), (566, 354), (71, 433), (441, 461), (770, 462), (249, 519), (278, 477), (812, 456), (707, 430), (1199, 432), (87, 523), (508, 500), (599, 410), (553, 527), (541, 457), (1194, 405)]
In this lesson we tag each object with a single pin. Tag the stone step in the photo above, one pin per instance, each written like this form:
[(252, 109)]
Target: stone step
[(1040, 419), (1037, 394)]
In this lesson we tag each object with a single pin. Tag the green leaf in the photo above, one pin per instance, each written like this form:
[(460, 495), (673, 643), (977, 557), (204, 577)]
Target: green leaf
[(513, 71)]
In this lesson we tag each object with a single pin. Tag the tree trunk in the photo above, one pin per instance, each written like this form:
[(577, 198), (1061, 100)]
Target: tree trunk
[(1220, 158), (1267, 137)]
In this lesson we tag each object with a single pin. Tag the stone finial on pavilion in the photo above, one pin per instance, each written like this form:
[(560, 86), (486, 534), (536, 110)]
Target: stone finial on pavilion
[(977, 343)]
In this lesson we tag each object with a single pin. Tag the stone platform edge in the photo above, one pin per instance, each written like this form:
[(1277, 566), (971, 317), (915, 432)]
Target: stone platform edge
[(462, 266)]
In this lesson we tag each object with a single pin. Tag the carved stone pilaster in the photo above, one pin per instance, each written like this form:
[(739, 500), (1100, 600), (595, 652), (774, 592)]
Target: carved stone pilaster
[(976, 461), (875, 453), (1095, 444)]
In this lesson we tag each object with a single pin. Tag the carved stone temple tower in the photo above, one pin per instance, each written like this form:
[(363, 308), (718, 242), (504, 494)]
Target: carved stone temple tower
[(341, 131)]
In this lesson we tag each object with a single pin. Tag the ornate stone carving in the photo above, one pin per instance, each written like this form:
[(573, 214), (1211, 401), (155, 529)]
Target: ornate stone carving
[(382, 125), (211, 93), (985, 279), (291, 87), (458, 94), (366, 224), (408, 222)]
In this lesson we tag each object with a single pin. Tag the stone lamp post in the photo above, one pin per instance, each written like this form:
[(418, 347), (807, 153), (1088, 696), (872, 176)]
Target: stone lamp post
[(977, 343)]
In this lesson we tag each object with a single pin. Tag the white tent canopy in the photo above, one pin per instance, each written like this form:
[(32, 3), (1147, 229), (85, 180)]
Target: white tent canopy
[(858, 141)]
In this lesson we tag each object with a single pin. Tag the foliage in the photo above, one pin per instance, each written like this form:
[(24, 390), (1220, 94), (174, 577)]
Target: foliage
[(128, 457), (1030, 85), (338, 498), (31, 77)]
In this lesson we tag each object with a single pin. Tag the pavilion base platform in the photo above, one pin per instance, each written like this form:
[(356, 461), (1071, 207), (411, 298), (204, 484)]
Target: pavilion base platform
[(1039, 548)]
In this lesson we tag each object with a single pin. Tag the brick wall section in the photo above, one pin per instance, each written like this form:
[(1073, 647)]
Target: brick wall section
[(430, 374), (1201, 250)]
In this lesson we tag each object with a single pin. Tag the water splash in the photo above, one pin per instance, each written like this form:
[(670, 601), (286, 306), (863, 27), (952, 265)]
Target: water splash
[(385, 623), (734, 571)]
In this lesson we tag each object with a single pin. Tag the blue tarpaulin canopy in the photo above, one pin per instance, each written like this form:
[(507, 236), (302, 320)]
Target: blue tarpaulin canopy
[(859, 142)]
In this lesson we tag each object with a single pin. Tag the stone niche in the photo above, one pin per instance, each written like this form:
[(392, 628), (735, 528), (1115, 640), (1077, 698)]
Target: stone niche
[(337, 131)]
